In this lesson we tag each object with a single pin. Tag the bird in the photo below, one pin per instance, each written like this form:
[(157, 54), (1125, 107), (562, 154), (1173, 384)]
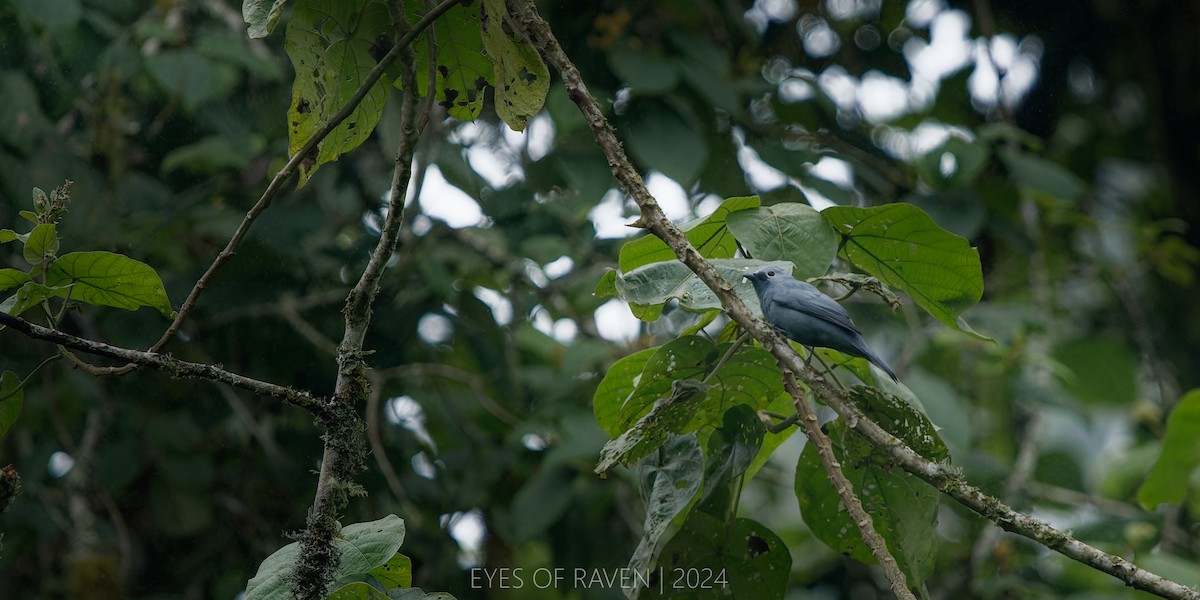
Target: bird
[(802, 313)]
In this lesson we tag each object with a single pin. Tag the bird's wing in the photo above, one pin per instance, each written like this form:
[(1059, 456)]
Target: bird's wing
[(799, 296)]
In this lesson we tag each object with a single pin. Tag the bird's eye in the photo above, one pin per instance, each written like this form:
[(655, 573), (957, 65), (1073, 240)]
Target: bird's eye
[(770, 273)]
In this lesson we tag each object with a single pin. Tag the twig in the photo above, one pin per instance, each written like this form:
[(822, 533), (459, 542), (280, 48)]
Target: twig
[(940, 476), (173, 366)]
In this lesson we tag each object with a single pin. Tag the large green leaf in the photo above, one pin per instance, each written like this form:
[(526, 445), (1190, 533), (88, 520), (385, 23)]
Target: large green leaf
[(522, 79), (109, 279), (12, 397), (750, 377), (261, 16), (668, 479), (708, 234), (1179, 457), (668, 415), (617, 386), (728, 452), (395, 573), (654, 284), (682, 358), (901, 246), (331, 45), (461, 68), (790, 231), (709, 558), (361, 548), (903, 508)]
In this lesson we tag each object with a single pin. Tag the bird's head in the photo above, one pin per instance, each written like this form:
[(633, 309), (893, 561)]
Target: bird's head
[(763, 277)]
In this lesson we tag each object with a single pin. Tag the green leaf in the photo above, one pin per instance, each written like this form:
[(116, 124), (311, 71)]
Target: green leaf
[(652, 285), (8, 235), (261, 16), (1043, 176), (668, 479), (789, 231), (1101, 369), (522, 79), (357, 591), (330, 43), (108, 279), (729, 451), (709, 235), (901, 246), (361, 548), (903, 508), (29, 295), (744, 560), (12, 397), (462, 69), (395, 573), (750, 377), (616, 387), (28, 215), (10, 278), (42, 244), (668, 415), (681, 358), (1179, 457)]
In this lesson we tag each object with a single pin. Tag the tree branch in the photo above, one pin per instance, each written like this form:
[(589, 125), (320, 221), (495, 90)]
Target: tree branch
[(343, 456), (316, 405), (652, 218)]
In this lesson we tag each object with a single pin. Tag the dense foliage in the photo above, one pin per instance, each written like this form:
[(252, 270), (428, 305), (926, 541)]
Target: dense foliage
[(1025, 186)]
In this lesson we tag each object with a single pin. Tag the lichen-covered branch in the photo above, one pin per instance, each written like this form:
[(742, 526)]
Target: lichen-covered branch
[(320, 407), (344, 454), (940, 476)]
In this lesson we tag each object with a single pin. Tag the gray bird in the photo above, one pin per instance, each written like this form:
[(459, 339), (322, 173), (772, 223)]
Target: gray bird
[(801, 312)]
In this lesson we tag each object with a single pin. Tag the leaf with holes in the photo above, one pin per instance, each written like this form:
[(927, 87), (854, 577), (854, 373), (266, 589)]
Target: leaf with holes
[(521, 78), (461, 69), (109, 279), (650, 286), (902, 247), (333, 45)]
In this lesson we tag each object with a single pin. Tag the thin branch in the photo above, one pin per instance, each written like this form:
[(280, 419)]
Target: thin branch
[(177, 368), (940, 476), (276, 185)]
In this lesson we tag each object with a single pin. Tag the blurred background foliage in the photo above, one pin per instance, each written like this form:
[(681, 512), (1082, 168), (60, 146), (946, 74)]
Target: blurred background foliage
[(1059, 137)]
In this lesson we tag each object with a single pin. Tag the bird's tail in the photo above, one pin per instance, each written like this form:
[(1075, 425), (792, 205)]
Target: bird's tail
[(879, 362)]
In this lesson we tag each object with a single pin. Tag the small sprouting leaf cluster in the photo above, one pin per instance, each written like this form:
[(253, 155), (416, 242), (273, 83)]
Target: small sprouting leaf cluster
[(689, 415)]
